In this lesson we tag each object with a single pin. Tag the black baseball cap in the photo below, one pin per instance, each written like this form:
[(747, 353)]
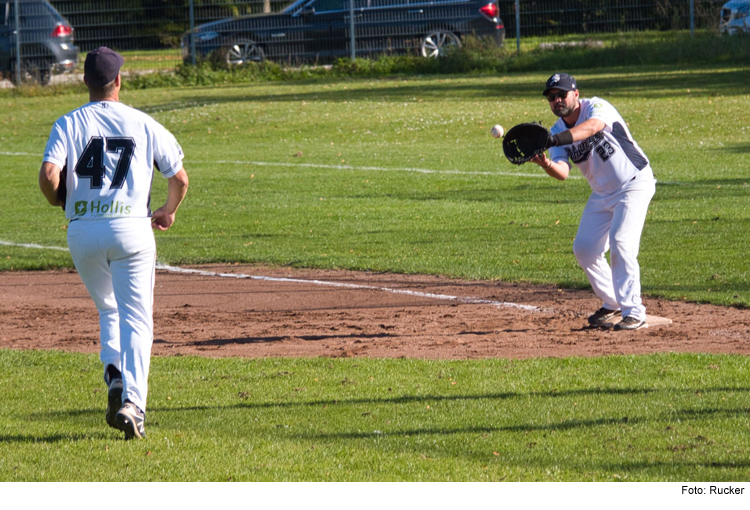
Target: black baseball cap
[(560, 81), (102, 66)]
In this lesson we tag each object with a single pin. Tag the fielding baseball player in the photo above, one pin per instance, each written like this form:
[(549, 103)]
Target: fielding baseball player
[(109, 152), (593, 135)]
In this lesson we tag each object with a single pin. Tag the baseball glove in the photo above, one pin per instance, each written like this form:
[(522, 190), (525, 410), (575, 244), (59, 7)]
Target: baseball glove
[(62, 189), (525, 141)]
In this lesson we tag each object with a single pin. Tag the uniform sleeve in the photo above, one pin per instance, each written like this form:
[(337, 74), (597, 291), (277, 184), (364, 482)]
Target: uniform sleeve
[(602, 110), (56, 151), (168, 154), (558, 154)]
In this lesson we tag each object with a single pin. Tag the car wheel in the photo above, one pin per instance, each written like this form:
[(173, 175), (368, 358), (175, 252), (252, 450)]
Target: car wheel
[(241, 52), (32, 72), (437, 43)]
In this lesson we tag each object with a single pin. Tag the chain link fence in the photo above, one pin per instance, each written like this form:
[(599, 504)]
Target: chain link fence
[(558, 17), (153, 34)]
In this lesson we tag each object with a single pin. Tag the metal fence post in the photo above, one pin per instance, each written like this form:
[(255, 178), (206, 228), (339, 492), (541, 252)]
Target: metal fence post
[(692, 17), (18, 44), (192, 33), (352, 40), (518, 27)]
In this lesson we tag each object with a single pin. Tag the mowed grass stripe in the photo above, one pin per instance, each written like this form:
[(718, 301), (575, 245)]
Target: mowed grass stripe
[(468, 225), (659, 418), (339, 167), (664, 417)]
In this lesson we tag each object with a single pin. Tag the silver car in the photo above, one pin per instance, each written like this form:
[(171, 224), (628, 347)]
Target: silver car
[(735, 17), (46, 40)]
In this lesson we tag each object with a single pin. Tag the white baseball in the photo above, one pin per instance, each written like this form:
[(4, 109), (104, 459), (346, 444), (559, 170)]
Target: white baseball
[(497, 131)]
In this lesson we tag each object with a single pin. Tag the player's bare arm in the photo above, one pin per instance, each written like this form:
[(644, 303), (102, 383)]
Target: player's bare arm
[(586, 129), (49, 181), (177, 186), (559, 170)]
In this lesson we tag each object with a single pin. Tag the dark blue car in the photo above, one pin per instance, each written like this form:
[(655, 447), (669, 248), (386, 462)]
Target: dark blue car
[(318, 30)]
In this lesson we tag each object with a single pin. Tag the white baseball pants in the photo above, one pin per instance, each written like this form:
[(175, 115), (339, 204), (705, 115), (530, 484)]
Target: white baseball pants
[(615, 223), (116, 260)]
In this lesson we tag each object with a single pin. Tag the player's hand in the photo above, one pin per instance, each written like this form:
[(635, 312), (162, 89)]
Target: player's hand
[(161, 219), (542, 160)]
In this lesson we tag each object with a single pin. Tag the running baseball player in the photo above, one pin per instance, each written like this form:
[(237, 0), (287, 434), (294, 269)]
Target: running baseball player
[(110, 151), (593, 135)]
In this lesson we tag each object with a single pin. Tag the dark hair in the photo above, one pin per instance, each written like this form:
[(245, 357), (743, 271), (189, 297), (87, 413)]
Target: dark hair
[(105, 91)]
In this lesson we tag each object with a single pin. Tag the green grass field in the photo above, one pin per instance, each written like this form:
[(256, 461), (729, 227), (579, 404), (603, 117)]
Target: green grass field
[(402, 175), (662, 417)]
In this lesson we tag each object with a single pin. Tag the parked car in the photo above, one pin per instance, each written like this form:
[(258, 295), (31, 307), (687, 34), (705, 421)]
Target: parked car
[(314, 30), (735, 17), (46, 41)]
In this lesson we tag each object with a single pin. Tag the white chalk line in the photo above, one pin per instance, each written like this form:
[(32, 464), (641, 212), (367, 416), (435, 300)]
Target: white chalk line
[(378, 168), (34, 246), (430, 295), (468, 300), (348, 167), (383, 169)]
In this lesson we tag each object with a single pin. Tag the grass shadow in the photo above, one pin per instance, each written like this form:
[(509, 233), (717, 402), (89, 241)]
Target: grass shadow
[(52, 439), (657, 84)]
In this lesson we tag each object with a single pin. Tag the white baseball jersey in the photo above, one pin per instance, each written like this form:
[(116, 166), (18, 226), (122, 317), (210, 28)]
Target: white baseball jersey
[(110, 151), (608, 159)]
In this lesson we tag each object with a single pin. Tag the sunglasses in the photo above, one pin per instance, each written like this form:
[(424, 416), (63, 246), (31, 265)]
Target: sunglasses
[(557, 95)]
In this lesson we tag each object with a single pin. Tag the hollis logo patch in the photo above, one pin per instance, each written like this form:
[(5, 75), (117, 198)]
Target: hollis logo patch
[(107, 209)]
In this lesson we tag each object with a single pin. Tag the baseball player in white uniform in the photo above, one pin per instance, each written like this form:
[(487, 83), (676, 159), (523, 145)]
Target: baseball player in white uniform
[(109, 151), (593, 135)]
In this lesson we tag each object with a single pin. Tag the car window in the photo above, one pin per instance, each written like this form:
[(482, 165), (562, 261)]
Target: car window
[(330, 5), (376, 4), (37, 9), (321, 6), (35, 15), (51, 11)]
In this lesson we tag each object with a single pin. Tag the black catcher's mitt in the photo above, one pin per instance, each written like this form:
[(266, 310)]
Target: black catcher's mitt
[(62, 189), (525, 141)]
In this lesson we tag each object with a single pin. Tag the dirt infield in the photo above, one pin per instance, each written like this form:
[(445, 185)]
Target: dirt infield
[(294, 312)]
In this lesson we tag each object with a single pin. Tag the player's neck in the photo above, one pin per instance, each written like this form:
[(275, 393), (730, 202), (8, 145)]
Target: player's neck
[(114, 97), (570, 120)]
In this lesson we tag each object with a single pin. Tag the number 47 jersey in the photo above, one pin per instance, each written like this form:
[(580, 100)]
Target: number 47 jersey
[(110, 151)]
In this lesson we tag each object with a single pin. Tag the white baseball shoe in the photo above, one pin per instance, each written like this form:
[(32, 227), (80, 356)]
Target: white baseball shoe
[(630, 324), (130, 420)]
